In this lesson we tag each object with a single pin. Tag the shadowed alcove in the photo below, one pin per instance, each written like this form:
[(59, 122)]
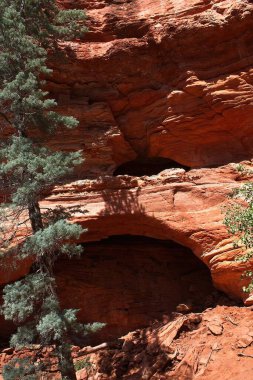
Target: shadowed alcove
[(147, 166), (129, 281)]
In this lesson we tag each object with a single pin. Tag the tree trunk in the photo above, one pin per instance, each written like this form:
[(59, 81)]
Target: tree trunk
[(66, 364), (63, 351), (35, 216)]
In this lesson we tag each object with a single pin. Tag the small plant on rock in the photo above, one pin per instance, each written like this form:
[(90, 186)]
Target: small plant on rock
[(239, 221)]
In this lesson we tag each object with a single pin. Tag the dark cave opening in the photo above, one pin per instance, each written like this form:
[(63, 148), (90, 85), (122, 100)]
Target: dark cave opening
[(129, 281), (147, 166)]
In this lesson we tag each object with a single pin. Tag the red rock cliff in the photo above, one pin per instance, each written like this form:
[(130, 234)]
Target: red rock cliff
[(170, 79), (160, 78)]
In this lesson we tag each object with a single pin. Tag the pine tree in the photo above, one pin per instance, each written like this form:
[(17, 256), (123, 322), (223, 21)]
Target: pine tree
[(29, 29)]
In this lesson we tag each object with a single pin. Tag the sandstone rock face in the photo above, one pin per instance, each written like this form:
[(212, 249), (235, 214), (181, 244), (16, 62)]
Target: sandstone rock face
[(186, 207), (134, 283), (159, 78), (168, 78)]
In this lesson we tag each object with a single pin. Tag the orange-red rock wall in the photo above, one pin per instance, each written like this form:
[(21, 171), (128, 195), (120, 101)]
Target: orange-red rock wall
[(160, 78), (170, 78)]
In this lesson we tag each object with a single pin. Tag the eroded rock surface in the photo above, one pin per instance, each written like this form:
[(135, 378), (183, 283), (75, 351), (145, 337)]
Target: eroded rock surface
[(186, 207), (182, 347), (158, 78), (169, 78)]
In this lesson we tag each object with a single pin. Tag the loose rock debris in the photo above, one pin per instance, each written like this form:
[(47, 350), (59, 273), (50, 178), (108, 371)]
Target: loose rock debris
[(195, 346)]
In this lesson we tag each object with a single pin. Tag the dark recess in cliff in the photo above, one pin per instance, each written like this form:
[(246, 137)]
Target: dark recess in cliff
[(128, 281), (147, 166)]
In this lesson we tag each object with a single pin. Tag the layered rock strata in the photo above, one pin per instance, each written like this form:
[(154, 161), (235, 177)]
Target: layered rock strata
[(185, 207), (170, 79), (159, 78)]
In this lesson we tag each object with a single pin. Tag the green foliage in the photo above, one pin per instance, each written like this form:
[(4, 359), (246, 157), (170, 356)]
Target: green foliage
[(245, 257), (51, 240), (239, 221), (239, 216), (243, 170), (28, 169), (249, 288), (22, 297), (28, 31), (32, 302), (240, 168), (85, 363), (21, 369)]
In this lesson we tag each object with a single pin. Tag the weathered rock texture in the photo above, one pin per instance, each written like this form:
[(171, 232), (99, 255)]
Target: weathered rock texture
[(215, 345), (169, 78), (185, 207), (157, 78)]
